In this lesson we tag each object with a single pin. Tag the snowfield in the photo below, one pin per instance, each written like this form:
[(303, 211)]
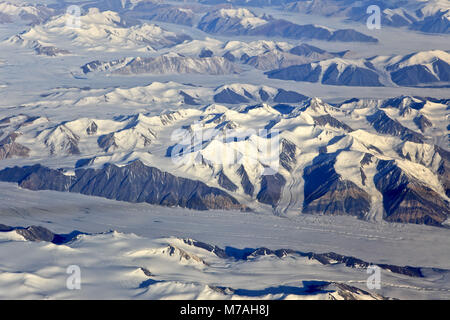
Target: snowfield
[(141, 241)]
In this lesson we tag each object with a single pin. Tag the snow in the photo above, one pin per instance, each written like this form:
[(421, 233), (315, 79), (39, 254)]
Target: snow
[(17, 9), (141, 241), (424, 57), (434, 6), (99, 31), (142, 112)]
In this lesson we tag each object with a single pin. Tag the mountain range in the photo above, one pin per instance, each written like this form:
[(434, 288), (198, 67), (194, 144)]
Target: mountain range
[(401, 175)]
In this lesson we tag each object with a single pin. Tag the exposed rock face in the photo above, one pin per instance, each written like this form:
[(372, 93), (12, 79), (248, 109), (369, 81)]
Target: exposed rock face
[(407, 199), (214, 249), (50, 51), (134, 182), (229, 56), (271, 188), (304, 72), (327, 193), (39, 233), (332, 122), (444, 169), (9, 148), (275, 60), (225, 182), (92, 128), (165, 64), (288, 154), (394, 13), (314, 53), (183, 255), (403, 102), (420, 74), (434, 157), (438, 23), (36, 233), (162, 12), (385, 125), (5, 228), (352, 262), (61, 140), (284, 96), (351, 75), (216, 22), (230, 97), (245, 181), (422, 122), (206, 53), (347, 292), (188, 99), (326, 258)]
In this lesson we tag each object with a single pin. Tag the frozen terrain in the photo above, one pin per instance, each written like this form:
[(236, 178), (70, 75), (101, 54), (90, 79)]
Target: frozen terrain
[(212, 150)]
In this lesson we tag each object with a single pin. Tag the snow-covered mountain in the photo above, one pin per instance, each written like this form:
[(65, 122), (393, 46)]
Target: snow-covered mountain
[(171, 63), (298, 147), (305, 138), (260, 54), (98, 31), (11, 12), (336, 71), (421, 68), (244, 22), (173, 268), (425, 68), (425, 16)]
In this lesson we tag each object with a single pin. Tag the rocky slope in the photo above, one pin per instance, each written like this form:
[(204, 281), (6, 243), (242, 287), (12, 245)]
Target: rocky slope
[(133, 183)]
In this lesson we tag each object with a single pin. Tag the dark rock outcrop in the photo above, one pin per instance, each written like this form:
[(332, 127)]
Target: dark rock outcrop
[(288, 154), (327, 258), (39, 233), (187, 99), (134, 182), (422, 122), (413, 75), (206, 53), (228, 96), (214, 22), (327, 193), (9, 148), (407, 199), (92, 129), (225, 182), (213, 249), (162, 12), (444, 169), (271, 189), (351, 76), (312, 72), (36, 233), (245, 181), (382, 123), (332, 122), (284, 96), (304, 72)]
